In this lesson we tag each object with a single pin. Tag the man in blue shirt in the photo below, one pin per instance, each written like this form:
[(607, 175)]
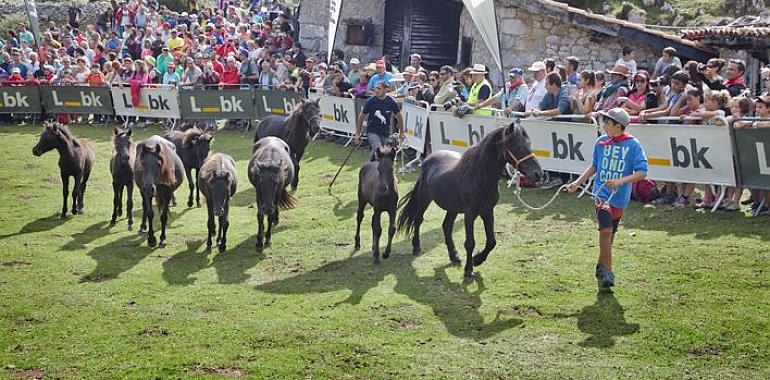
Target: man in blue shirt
[(381, 76), (618, 161)]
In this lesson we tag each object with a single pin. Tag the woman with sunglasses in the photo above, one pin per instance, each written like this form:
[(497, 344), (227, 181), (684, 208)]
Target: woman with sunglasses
[(641, 97), (711, 73)]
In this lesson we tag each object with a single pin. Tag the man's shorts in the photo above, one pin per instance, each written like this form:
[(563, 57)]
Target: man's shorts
[(608, 217)]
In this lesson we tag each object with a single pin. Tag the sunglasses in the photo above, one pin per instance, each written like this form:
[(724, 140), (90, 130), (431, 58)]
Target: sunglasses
[(640, 80)]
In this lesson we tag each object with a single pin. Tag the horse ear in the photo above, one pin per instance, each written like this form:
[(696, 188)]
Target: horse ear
[(378, 152), (129, 132), (157, 148), (115, 131), (227, 175)]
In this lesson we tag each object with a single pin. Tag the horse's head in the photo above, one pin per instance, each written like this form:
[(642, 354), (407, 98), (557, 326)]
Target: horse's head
[(151, 161), (202, 146), (50, 139), (517, 151), (121, 142), (386, 168), (270, 183), (219, 183), (311, 112)]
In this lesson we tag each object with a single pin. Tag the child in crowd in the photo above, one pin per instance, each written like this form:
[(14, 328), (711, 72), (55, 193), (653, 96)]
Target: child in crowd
[(715, 104), (618, 161), (762, 110)]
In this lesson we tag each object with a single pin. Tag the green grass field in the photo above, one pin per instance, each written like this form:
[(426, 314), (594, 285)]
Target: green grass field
[(80, 299)]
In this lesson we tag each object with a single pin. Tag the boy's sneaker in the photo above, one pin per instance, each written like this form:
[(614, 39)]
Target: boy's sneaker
[(730, 206), (604, 277), (682, 202)]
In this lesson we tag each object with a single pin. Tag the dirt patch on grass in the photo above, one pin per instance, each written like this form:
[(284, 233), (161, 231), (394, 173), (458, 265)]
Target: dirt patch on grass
[(154, 331), (706, 351), (29, 374), (199, 370), (16, 264), (522, 311)]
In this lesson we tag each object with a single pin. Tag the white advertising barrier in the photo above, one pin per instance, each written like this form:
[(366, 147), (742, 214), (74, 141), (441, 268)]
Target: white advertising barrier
[(687, 153), (562, 146), (337, 114), (415, 126), (448, 132), (153, 102)]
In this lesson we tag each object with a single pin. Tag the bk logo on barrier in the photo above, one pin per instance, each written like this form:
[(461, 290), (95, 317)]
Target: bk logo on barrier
[(685, 155), (288, 106), (475, 134), (87, 99), (154, 102), (226, 104), (14, 100), (563, 149)]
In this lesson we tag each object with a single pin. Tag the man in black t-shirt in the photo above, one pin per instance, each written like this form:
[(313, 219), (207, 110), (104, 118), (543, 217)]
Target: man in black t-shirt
[(378, 111)]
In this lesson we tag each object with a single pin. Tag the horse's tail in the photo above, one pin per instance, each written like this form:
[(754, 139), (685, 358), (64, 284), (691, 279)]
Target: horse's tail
[(410, 207), (287, 201)]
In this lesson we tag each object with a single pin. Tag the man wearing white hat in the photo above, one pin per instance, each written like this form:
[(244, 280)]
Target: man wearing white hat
[(354, 75), (481, 89), (537, 89)]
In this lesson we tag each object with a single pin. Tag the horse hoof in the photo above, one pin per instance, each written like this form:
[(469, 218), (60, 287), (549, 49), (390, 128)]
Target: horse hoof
[(376, 261), (151, 242), (455, 260), (198, 204), (189, 203), (386, 254), (162, 244), (478, 260), (112, 223), (416, 251), (130, 226), (268, 243), (259, 245), (468, 279), (222, 248), (63, 216)]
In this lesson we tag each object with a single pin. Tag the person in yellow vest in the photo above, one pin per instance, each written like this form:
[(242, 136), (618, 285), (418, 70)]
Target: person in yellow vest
[(481, 89)]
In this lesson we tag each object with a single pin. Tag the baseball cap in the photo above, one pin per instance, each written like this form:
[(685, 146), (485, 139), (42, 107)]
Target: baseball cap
[(619, 115), (415, 55), (764, 98), (537, 66), (355, 61), (516, 72)]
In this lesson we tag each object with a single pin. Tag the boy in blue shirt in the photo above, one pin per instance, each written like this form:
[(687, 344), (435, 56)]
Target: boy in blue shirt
[(618, 161)]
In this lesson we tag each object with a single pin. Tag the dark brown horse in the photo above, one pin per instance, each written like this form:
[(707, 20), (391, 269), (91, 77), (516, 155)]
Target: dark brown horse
[(158, 171), (467, 185), (296, 130), (76, 157), (218, 184), (122, 170), (270, 171), (192, 146), (377, 187)]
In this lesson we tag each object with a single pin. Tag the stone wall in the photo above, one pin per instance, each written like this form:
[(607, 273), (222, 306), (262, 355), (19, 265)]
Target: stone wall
[(53, 10), (314, 20), (527, 37)]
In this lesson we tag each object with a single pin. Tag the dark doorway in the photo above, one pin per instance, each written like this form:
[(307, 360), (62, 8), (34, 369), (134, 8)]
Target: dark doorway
[(428, 27)]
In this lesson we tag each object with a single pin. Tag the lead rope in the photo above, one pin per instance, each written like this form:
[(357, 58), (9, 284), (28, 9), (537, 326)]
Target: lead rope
[(515, 180)]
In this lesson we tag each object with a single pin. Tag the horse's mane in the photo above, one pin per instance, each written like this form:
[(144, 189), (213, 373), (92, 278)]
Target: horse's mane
[(190, 135), (473, 160), (294, 120), (67, 134), (215, 167)]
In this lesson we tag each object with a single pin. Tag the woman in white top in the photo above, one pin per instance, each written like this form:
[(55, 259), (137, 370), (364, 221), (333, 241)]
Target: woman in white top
[(628, 59)]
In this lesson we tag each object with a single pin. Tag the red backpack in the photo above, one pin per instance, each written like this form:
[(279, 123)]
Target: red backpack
[(644, 191)]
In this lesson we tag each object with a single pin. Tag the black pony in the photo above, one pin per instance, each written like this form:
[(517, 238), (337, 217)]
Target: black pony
[(270, 172), (76, 157), (192, 146), (158, 171), (377, 187), (122, 170), (467, 185), (295, 129), (219, 183)]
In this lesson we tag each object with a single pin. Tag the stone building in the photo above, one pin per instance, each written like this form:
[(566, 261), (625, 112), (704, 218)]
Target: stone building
[(529, 30)]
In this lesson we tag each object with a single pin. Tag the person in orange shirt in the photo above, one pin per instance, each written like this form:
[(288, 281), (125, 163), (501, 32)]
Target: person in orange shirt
[(95, 79)]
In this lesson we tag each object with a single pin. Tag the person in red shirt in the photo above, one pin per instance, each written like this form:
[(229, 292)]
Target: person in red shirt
[(219, 68), (15, 79), (230, 47), (231, 75)]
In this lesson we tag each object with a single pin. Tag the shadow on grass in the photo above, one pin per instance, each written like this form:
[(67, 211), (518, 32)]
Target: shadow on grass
[(231, 266), (43, 224), (453, 303), (116, 257), (346, 211), (91, 233), (177, 269), (604, 320)]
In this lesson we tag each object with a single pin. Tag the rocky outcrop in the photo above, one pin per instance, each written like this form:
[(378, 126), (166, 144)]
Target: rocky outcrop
[(53, 10)]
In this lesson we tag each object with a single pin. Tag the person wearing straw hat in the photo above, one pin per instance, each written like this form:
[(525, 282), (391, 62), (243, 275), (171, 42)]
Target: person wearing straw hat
[(481, 89), (618, 161), (617, 88)]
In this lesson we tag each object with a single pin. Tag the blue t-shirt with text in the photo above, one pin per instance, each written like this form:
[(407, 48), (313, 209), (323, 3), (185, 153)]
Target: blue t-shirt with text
[(614, 161)]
